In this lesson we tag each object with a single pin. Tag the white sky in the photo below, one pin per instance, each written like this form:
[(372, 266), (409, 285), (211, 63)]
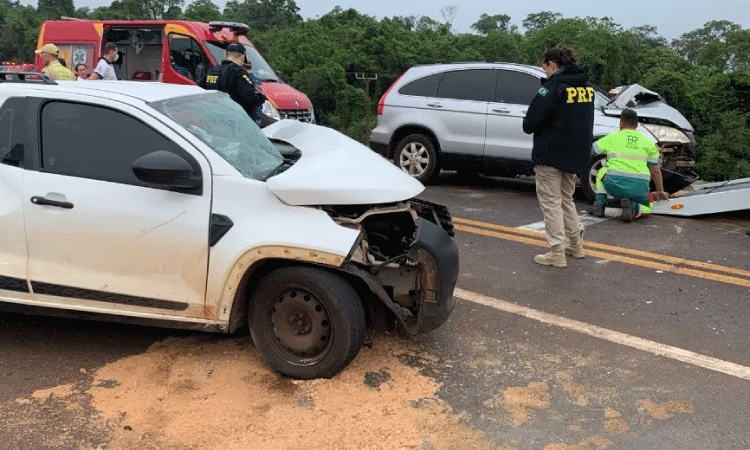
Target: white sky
[(671, 18)]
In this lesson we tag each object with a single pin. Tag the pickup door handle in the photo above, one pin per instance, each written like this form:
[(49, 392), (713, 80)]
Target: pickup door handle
[(501, 110), (434, 105), (44, 201)]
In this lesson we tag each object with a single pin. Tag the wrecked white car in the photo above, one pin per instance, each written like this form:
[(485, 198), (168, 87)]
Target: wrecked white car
[(669, 129), (165, 204)]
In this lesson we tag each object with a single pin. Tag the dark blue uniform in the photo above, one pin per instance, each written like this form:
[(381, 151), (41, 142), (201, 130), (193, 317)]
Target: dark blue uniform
[(561, 116), (230, 78)]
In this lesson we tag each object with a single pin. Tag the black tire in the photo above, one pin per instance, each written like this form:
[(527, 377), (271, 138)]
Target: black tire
[(416, 155), (588, 185), (306, 322)]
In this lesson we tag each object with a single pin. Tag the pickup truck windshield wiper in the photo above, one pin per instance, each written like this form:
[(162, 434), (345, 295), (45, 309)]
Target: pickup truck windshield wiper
[(287, 163)]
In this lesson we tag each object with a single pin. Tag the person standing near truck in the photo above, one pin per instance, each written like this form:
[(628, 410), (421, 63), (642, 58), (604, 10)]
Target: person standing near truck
[(104, 69), (561, 117), (52, 68), (231, 77)]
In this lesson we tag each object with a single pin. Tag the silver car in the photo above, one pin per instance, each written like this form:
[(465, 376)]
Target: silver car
[(467, 117)]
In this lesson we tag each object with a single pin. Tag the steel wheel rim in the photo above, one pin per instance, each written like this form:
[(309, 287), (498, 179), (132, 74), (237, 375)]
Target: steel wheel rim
[(414, 159), (301, 326)]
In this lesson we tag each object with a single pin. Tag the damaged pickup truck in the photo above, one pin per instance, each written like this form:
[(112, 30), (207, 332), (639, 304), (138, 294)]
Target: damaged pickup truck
[(191, 216)]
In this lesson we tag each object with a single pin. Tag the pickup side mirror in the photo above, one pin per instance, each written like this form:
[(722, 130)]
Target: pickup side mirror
[(166, 169)]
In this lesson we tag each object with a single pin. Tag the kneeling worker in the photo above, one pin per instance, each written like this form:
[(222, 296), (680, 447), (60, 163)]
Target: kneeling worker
[(632, 161)]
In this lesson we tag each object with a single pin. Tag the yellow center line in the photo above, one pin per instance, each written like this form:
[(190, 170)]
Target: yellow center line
[(612, 248), (525, 238)]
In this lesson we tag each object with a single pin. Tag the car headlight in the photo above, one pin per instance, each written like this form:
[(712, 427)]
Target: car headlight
[(271, 111), (664, 133)]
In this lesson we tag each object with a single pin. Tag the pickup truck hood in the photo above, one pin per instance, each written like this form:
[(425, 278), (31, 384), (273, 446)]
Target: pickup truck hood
[(647, 104), (335, 170)]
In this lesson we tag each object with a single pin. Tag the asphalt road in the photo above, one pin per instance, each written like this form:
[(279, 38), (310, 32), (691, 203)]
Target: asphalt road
[(644, 344)]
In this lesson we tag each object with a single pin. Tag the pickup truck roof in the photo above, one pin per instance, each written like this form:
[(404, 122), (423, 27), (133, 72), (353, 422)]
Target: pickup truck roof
[(147, 92)]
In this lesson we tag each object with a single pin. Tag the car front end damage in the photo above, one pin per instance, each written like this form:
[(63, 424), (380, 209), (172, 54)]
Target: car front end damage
[(671, 130), (406, 257)]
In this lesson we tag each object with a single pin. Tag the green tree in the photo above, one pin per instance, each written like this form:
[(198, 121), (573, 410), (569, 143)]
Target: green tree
[(202, 11), (537, 21), (19, 33), (690, 45), (261, 15), (121, 9), (162, 9), (724, 152), (408, 22), (54, 9), (487, 24), (647, 36)]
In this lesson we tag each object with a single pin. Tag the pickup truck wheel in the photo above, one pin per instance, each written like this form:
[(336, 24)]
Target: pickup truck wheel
[(306, 322), (415, 154), (588, 185)]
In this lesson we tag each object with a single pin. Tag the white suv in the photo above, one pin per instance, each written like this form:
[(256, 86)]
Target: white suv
[(468, 117), (166, 204)]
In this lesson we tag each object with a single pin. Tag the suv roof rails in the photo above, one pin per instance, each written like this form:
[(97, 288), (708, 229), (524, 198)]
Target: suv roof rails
[(25, 77)]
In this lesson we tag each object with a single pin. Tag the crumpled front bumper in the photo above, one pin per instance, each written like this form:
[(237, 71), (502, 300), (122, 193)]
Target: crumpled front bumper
[(419, 294), (437, 255)]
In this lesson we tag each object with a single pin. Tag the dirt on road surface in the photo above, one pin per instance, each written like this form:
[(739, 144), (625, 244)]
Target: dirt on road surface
[(200, 392)]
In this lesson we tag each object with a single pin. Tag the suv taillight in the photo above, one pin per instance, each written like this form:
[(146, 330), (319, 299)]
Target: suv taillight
[(381, 103)]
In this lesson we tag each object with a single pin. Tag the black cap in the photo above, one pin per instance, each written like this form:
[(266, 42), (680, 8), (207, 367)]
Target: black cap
[(237, 48)]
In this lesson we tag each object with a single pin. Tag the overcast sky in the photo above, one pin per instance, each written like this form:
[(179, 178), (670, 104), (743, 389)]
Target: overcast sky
[(671, 18)]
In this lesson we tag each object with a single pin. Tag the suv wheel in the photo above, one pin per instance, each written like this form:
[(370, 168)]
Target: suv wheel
[(588, 186), (306, 322), (416, 155)]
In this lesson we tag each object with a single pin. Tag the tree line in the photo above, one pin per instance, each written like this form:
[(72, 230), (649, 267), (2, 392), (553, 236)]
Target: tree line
[(705, 73)]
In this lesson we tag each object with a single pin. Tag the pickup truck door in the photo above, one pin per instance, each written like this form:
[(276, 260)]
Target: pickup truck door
[(13, 254), (101, 240)]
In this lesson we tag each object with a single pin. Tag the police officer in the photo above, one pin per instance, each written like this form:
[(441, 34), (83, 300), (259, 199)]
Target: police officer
[(561, 117), (232, 78), (52, 67), (632, 161)]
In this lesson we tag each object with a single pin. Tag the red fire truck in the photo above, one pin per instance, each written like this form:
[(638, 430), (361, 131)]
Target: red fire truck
[(172, 51)]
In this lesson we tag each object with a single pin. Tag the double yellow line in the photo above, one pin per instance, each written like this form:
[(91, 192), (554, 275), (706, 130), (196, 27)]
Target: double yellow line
[(697, 269)]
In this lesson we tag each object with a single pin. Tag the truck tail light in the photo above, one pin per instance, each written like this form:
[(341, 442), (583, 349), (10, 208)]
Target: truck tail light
[(381, 103)]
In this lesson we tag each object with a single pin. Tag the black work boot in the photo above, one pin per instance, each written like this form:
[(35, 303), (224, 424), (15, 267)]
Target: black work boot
[(598, 209), (627, 210)]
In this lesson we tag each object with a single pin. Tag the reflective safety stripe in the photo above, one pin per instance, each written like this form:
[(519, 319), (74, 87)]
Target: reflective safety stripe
[(643, 176), (653, 161), (628, 156), (595, 149)]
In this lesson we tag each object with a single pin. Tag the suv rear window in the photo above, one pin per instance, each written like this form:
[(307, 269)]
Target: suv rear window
[(473, 84), (516, 87), (422, 87)]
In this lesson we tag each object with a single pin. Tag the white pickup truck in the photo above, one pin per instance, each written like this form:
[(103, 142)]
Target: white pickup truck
[(165, 204)]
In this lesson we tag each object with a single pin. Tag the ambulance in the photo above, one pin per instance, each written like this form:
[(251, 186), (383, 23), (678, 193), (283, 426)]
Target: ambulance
[(171, 51)]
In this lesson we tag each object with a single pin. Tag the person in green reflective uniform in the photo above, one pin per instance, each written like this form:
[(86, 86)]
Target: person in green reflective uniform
[(632, 161), (52, 67)]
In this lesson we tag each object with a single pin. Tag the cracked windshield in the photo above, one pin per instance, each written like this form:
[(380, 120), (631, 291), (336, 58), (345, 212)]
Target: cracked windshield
[(224, 126)]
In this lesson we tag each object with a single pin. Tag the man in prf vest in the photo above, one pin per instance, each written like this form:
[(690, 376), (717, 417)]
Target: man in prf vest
[(52, 67), (632, 161)]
